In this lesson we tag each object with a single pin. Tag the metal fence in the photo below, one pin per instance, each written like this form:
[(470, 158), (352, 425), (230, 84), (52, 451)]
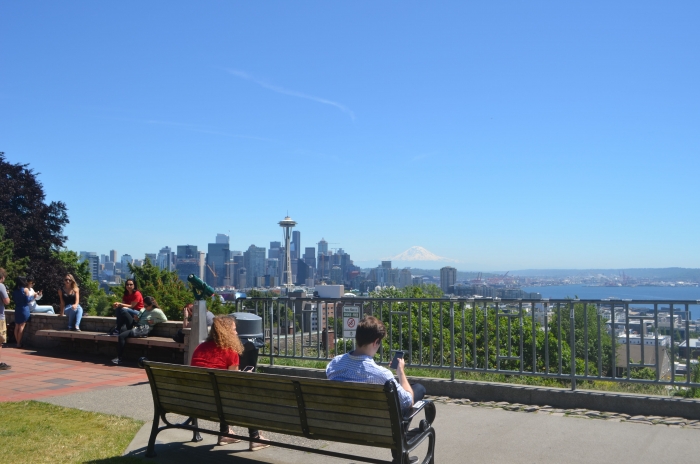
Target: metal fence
[(573, 340)]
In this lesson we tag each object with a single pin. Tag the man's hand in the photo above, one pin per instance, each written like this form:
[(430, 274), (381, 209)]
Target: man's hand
[(115, 305)]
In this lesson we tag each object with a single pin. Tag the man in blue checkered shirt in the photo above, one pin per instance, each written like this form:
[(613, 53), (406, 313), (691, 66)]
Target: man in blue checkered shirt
[(359, 365)]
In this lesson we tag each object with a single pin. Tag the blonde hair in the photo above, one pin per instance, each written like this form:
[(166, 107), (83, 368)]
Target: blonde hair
[(74, 284), (222, 334)]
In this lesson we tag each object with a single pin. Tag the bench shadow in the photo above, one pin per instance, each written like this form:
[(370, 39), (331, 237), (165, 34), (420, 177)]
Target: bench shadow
[(189, 452)]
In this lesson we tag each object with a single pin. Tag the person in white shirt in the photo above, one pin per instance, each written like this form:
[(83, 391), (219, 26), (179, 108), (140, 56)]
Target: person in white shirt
[(36, 296)]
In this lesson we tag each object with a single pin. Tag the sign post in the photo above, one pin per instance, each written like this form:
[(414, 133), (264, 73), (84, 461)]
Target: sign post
[(351, 317)]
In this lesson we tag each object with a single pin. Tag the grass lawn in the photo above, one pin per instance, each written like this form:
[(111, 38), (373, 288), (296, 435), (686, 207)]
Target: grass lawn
[(32, 432)]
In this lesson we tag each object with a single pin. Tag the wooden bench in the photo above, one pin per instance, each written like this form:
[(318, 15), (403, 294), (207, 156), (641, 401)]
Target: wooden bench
[(103, 337), (353, 413)]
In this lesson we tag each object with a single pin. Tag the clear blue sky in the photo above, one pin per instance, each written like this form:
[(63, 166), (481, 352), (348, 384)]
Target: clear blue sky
[(506, 135)]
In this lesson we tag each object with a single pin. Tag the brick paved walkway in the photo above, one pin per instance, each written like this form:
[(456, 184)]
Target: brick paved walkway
[(37, 374)]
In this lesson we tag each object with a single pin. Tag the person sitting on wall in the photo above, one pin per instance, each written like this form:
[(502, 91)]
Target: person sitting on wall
[(138, 326), (132, 302), (359, 365)]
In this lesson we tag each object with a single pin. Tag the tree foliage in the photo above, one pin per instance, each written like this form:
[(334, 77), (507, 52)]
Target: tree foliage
[(35, 229), (7, 260)]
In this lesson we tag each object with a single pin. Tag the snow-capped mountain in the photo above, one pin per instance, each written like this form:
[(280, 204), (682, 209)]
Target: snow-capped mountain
[(418, 253)]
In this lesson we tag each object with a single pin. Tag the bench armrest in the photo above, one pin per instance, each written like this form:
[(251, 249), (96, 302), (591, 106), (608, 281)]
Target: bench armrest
[(418, 407)]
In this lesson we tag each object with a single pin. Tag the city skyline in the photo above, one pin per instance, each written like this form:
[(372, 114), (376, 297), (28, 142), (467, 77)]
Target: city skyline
[(501, 135)]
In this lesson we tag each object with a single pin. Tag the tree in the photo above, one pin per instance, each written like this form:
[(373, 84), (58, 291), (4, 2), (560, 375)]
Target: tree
[(13, 266), (34, 227)]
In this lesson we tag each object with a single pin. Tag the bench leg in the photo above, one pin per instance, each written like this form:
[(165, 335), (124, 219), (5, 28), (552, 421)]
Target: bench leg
[(196, 437), (150, 451)]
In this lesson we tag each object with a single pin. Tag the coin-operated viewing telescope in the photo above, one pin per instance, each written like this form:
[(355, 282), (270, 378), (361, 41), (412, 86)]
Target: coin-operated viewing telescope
[(201, 290)]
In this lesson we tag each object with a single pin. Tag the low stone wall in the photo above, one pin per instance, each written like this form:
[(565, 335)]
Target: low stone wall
[(98, 324), (623, 403)]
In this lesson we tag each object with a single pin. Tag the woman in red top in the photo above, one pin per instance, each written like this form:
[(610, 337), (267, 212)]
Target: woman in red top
[(221, 350), (132, 303)]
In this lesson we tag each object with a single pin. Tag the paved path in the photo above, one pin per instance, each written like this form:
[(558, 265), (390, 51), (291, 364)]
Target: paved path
[(38, 375), (464, 433)]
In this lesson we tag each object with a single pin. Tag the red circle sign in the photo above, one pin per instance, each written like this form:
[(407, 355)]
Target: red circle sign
[(351, 322)]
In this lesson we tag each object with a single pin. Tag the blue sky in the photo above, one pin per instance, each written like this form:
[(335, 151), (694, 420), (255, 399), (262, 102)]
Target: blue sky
[(505, 135)]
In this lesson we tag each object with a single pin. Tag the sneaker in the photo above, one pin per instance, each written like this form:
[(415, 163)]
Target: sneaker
[(4, 367), (77, 329), (116, 361), (114, 332)]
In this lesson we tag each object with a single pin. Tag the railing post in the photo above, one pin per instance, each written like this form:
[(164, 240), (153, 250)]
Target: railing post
[(452, 340), (572, 343)]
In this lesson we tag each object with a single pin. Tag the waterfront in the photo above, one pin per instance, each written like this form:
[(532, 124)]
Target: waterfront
[(633, 293)]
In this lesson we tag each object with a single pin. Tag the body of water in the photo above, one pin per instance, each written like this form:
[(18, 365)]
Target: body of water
[(633, 293)]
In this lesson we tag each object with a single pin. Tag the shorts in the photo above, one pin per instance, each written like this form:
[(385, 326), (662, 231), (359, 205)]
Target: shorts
[(3, 331)]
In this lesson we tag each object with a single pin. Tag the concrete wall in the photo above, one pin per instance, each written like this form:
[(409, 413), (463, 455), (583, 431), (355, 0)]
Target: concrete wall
[(97, 324), (644, 405)]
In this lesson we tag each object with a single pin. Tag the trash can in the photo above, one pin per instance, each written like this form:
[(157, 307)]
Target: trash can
[(249, 328)]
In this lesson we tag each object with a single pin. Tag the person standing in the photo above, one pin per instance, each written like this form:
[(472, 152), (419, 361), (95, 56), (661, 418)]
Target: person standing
[(4, 300), (69, 294), (22, 315), (36, 296)]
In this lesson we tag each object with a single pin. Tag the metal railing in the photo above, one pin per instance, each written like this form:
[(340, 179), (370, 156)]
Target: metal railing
[(612, 340)]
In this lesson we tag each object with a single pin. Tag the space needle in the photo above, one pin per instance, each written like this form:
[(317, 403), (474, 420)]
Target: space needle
[(287, 224)]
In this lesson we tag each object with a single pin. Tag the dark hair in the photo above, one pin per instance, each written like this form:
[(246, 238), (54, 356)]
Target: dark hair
[(20, 282), (136, 287), (369, 330), (150, 301), (30, 278), (3, 273)]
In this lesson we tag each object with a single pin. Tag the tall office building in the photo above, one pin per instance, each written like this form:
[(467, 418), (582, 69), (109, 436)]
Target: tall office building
[(448, 277), (222, 238), (323, 247), (254, 261), (93, 263), (113, 255), (165, 259), (218, 255), (187, 261), (274, 252), (152, 257), (386, 264), (296, 245), (303, 271), (323, 264), (186, 252), (310, 257), (405, 278)]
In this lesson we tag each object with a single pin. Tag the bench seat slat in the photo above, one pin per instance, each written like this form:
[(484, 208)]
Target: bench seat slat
[(205, 383), (166, 395)]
